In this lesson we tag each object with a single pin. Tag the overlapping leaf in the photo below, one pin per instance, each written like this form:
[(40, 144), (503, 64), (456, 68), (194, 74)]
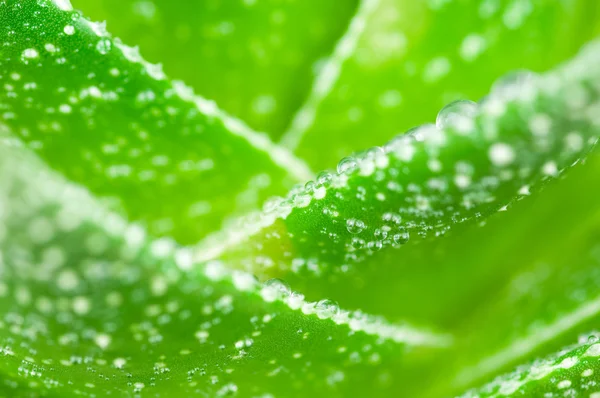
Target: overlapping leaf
[(405, 60), (255, 58), (477, 160), (573, 371), (91, 306), (102, 116)]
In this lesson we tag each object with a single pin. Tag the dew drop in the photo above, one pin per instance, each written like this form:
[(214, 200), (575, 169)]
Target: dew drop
[(458, 115), (75, 15), (30, 53), (501, 154), (357, 243), (375, 245), (401, 238), (103, 46), (514, 84), (272, 204), (310, 186), (327, 309), (324, 178), (347, 165), (278, 287), (355, 226), (69, 30), (302, 200), (593, 351)]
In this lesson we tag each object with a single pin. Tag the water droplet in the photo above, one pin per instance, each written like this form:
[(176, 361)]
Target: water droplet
[(310, 186), (324, 178), (355, 226), (29, 53), (403, 145), (501, 154), (302, 200), (514, 84), (458, 115), (401, 238), (327, 309), (75, 15), (69, 30), (375, 245), (378, 156), (295, 190), (103, 46), (357, 243), (279, 287), (272, 204), (347, 165)]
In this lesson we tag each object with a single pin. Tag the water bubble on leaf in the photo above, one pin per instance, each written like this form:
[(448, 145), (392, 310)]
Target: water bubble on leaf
[(516, 84), (401, 238), (375, 245), (69, 30), (29, 53), (347, 165), (272, 204), (75, 15), (274, 289), (296, 189), (501, 154), (302, 200), (103, 46), (458, 115), (244, 281), (403, 145), (327, 309), (589, 338), (357, 243), (324, 178), (355, 226), (295, 300), (320, 192), (378, 156), (310, 186)]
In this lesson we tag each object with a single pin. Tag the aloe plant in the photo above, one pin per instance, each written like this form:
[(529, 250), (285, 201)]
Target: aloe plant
[(154, 244)]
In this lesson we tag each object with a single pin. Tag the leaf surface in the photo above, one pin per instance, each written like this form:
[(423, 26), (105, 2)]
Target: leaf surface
[(477, 160), (91, 305), (94, 110), (255, 58), (406, 60), (573, 371)]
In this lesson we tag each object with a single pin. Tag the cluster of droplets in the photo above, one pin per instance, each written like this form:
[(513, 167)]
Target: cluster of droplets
[(451, 190), (277, 289), (568, 373)]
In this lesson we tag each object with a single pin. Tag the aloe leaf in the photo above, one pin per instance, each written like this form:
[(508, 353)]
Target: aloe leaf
[(400, 62), (94, 110), (255, 58), (93, 306), (478, 160), (552, 296), (573, 371)]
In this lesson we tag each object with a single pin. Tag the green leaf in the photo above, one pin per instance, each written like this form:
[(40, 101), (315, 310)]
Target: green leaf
[(103, 189), (94, 110), (551, 296), (478, 160), (573, 371), (400, 62), (255, 58), (91, 306)]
